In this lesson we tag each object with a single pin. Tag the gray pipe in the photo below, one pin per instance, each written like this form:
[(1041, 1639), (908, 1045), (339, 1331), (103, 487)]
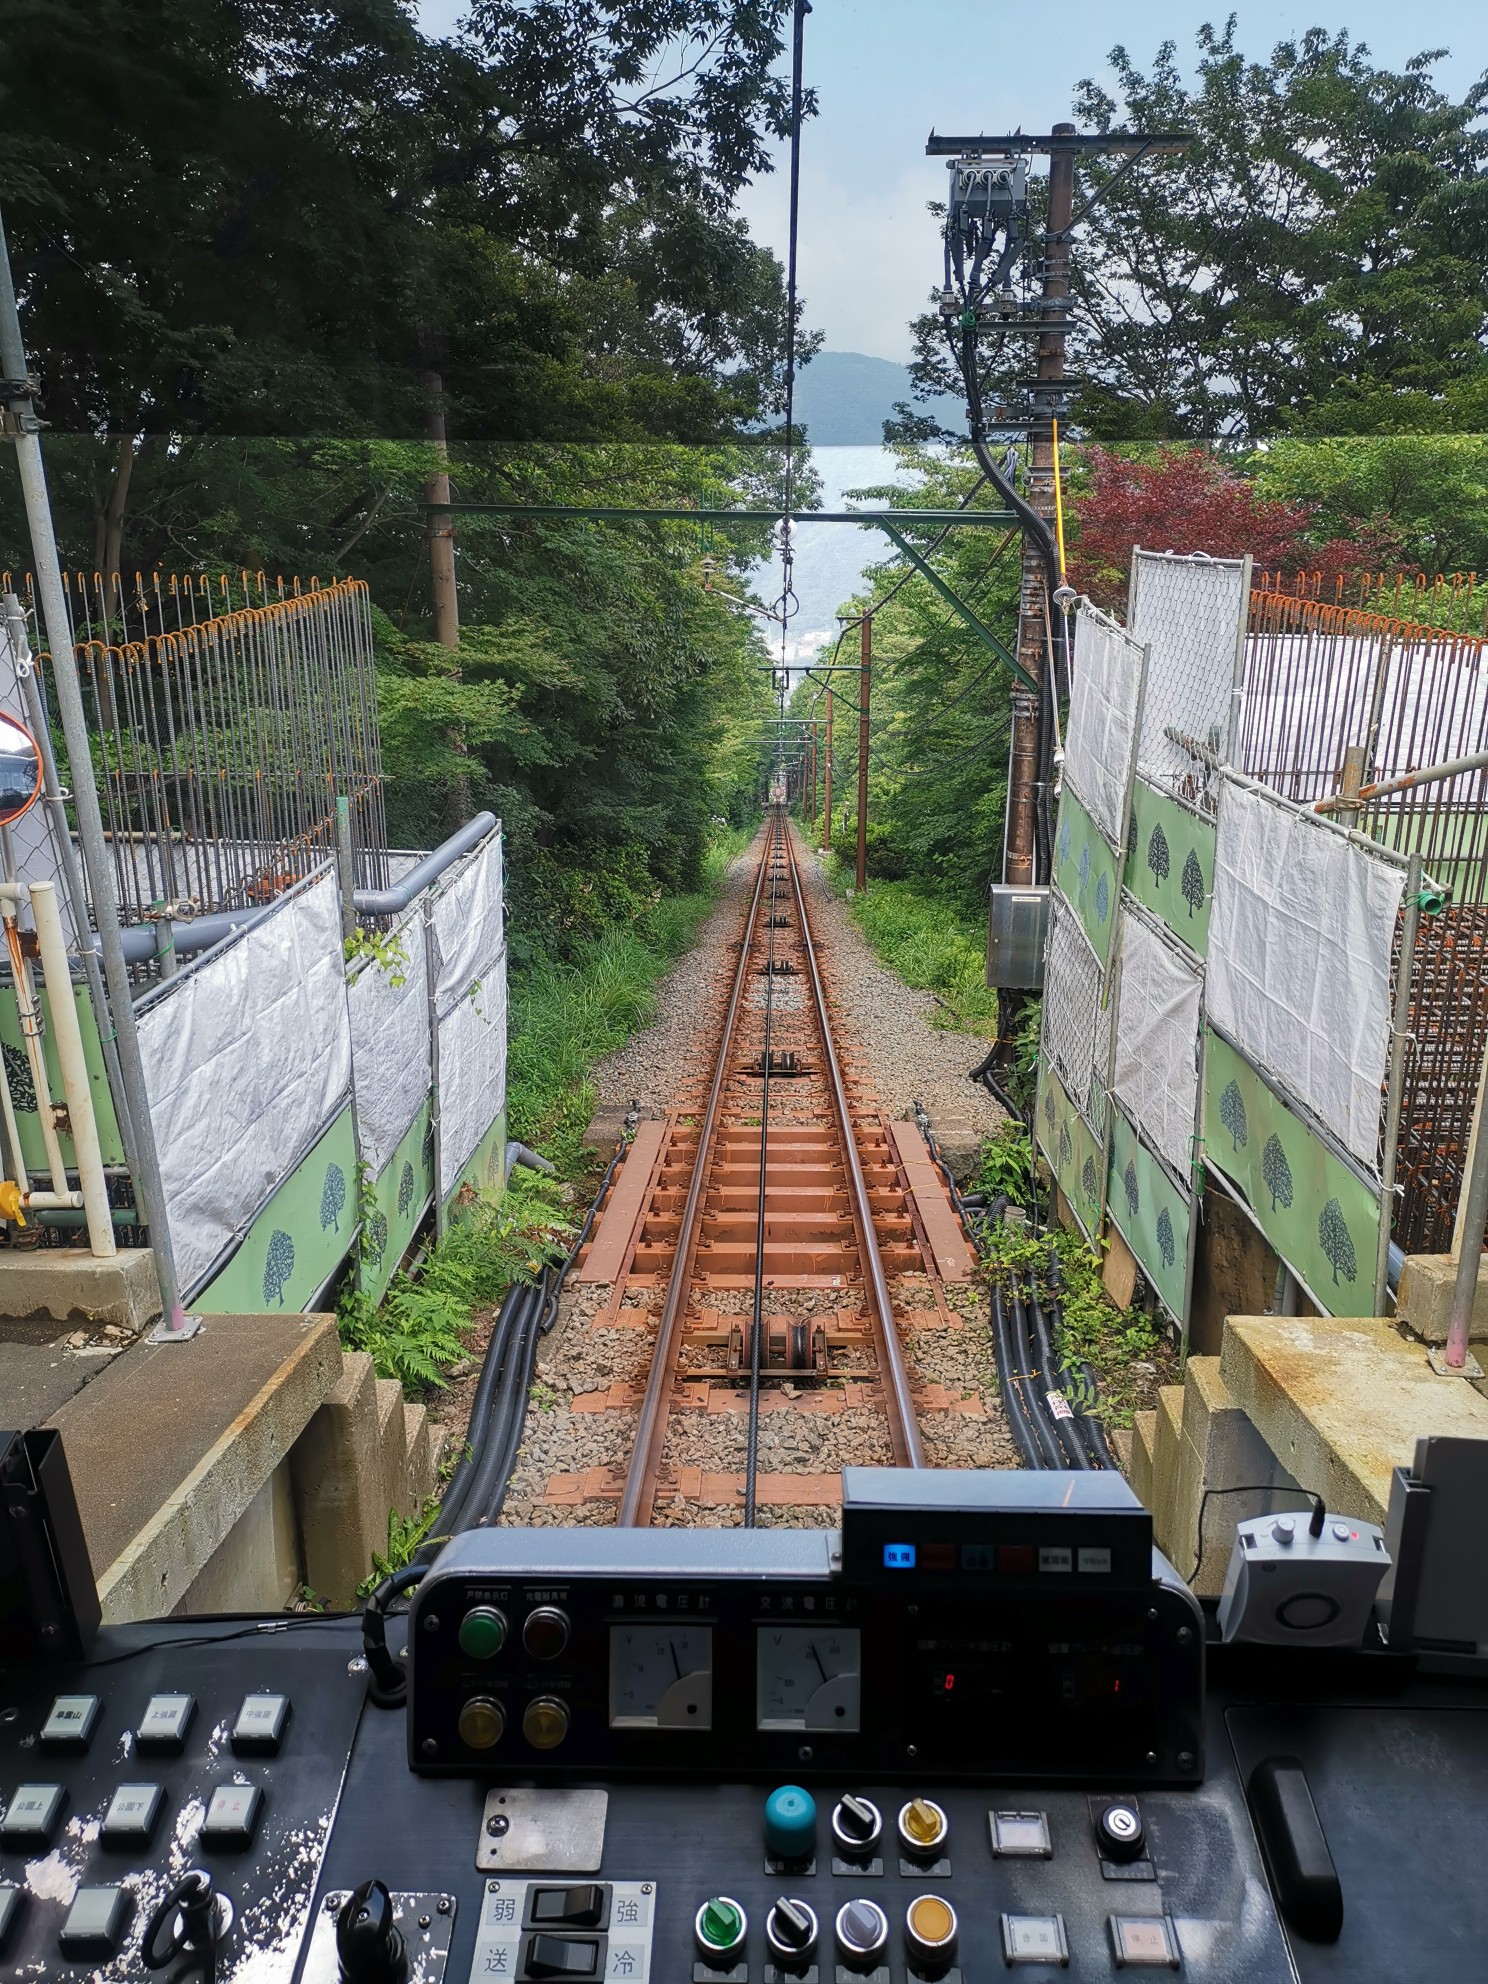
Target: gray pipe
[(519, 1154), (200, 933)]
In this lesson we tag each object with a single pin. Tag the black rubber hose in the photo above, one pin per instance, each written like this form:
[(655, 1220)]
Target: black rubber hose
[(1012, 1398), (1033, 1403), (481, 1409), (525, 1357), (515, 1318), (1053, 1379)]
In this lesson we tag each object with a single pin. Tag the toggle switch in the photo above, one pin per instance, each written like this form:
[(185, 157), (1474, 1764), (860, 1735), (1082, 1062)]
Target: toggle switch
[(791, 1932), (923, 1829), (790, 1823), (571, 1908), (719, 1929), (560, 1958), (857, 1826), (862, 1934)]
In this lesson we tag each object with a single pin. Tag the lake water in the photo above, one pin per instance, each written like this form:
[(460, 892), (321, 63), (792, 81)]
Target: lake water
[(831, 559)]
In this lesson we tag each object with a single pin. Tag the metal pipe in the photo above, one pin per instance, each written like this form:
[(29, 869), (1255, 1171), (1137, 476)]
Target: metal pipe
[(534, 1160), (1342, 802), (190, 935), (346, 868), (75, 1084), (1470, 1220), (12, 1133), (85, 794)]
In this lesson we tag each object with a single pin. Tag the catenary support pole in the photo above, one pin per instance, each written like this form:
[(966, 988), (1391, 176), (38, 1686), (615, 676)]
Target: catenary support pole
[(865, 690), (827, 787), (96, 860)]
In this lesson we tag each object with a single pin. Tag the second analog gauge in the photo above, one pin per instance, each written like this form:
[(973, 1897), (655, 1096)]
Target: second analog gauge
[(661, 1677), (808, 1677)]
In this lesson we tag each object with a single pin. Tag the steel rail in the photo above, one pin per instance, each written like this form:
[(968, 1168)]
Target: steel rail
[(899, 1406), (756, 1334), (639, 1499)]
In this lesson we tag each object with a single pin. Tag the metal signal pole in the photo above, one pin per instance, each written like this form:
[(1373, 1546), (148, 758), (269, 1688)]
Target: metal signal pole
[(865, 681), (827, 788)]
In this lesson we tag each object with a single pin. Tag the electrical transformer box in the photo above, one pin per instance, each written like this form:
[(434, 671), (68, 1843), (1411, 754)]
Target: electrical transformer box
[(1017, 926)]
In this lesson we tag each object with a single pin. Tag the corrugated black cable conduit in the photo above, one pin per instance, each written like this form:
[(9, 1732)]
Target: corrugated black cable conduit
[(1012, 1400), (1054, 1379), (1028, 1376), (511, 1317), (1091, 1425)]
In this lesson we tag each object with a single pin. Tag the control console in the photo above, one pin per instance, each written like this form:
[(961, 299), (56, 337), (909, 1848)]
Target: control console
[(967, 1738)]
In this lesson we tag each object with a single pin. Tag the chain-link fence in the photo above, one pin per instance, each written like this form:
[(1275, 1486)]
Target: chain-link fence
[(1189, 612)]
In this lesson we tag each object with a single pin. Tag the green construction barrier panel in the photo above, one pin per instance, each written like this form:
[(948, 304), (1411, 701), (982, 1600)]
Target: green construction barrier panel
[(300, 1238), (1152, 1216), (393, 1206), (1170, 864), (1073, 1153), (1317, 1212), (23, 1088), (1085, 870)]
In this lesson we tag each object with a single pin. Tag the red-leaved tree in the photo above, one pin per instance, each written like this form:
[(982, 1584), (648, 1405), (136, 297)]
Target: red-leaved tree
[(1186, 500)]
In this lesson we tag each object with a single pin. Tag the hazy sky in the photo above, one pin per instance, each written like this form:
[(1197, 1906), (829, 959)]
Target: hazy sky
[(887, 71)]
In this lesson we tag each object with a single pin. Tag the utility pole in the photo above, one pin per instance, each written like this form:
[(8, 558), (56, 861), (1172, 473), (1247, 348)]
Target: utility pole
[(827, 791), (984, 233), (441, 522), (865, 681)]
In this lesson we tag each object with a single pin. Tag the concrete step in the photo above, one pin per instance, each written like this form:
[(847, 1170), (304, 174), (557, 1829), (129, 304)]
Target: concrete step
[(1139, 1469), (392, 1443), (418, 1459)]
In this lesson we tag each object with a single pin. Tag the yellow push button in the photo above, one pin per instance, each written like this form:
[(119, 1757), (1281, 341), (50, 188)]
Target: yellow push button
[(930, 1930), (923, 1827), (545, 1722), (482, 1723)]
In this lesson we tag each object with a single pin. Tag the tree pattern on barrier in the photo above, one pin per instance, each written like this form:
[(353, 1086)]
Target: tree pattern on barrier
[(1129, 1186), (332, 1198), (1191, 882), (1131, 838), (1158, 858), (405, 1191), (279, 1264), (1066, 1148), (1049, 1110), (1276, 1172), (1232, 1115), (18, 1074), (1102, 899), (377, 1237), (1337, 1242), (1064, 840), (1165, 1243), (1089, 1181), (1084, 870)]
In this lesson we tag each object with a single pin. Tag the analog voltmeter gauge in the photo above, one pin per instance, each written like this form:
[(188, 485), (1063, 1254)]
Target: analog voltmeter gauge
[(807, 1677), (661, 1677)]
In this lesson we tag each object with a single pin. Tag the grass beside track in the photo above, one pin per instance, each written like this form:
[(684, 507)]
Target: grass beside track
[(927, 942), (564, 1018)]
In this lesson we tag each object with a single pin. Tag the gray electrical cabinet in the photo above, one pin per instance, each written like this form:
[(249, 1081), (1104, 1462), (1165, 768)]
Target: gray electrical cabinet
[(1017, 925)]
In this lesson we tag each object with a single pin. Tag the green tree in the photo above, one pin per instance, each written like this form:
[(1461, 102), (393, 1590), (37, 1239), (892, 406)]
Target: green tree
[(1431, 489), (1315, 257)]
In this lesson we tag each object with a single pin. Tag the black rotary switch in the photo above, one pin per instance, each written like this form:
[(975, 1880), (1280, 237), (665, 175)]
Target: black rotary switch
[(1119, 1834), (368, 1945), (791, 1932), (857, 1826)]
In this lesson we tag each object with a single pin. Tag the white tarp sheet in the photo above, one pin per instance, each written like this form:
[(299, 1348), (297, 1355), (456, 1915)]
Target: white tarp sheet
[(247, 1059), (390, 1044), (1073, 1025), (472, 1071), (468, 934), (1157, 1037), (1190, 612), (1300, 934), (1105, 695)]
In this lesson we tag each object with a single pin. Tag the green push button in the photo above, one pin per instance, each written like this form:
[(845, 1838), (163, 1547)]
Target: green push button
[(483, 1632), (721, 1926)]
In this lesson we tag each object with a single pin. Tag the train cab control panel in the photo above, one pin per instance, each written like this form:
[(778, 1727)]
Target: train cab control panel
[(935, 1779)]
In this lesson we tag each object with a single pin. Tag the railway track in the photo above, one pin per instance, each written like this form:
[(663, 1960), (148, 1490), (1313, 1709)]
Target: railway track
[(759, 1230)]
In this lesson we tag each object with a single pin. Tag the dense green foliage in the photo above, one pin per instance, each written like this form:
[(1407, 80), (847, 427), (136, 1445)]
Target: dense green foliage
[(419, 1329), (566, 1016)]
